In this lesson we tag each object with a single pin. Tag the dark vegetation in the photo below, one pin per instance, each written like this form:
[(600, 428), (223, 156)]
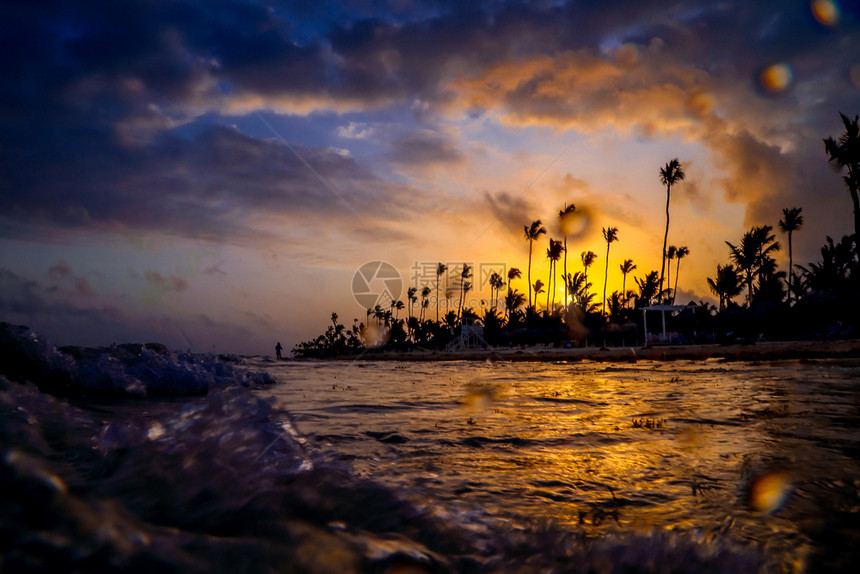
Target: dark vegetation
[(818, 300)]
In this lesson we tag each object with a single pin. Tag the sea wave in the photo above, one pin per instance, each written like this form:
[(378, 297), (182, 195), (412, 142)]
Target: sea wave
[(224, 483)]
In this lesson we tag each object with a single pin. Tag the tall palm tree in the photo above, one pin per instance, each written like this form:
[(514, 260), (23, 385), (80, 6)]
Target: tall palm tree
[(588, 258), (845, 153), (440, 269), (627, 267), (465, 286), (610, 235), (791, 221), (553, 253), (496, 283), (564, 217), (680, 253), (670, 174), (727, 285), (532, 232), (670, 256), (410, 295), (425, 292)]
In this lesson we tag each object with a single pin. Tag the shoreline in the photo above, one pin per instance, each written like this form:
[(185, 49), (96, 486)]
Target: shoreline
[(762, 351)]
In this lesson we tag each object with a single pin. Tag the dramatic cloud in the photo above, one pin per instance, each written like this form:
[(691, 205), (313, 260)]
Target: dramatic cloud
[(170, 283), (336, 132), (425, 148)]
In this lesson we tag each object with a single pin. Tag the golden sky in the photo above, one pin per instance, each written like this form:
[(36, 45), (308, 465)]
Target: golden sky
[(213, 175)]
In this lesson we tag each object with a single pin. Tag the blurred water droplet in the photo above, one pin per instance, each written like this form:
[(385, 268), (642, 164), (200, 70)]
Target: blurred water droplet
[(769, 492), (826, 12), (776, 77)]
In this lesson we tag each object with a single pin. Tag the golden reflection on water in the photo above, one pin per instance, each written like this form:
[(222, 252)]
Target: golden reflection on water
[(689, 446)]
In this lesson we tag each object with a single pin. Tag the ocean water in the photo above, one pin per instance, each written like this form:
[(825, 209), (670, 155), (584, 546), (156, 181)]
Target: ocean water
[(135, 459), (766, 455)]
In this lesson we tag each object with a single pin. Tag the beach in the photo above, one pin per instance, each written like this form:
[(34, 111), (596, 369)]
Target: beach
[(760, 351)]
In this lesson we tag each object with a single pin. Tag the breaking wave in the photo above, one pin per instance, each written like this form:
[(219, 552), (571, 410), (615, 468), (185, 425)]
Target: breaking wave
[(132, 458)]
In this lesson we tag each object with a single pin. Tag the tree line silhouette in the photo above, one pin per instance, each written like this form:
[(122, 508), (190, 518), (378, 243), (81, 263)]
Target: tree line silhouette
[(818, 300)]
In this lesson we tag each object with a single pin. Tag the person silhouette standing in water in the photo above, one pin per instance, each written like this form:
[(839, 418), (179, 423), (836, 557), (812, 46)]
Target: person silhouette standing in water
[(278, 349)]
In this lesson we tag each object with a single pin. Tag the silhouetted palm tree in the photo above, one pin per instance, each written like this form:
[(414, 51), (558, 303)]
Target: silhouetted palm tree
[(727, 285), (532, 233), (496, 283), (553, 253), (648, 289), (670, 256), (513, 300), (410, 296), (513, 273), (425, 293), (588, 258), (845, 153), (749, 255), (564, 217), (791, 221), (538, 287), (627, 267), (616, 306), (837, 273), (440, 269), (610, 235), (680, 253), (670, 174), (575, 286), (465, 286)]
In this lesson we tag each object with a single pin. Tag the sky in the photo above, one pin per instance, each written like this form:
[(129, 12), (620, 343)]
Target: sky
[(212, 174)]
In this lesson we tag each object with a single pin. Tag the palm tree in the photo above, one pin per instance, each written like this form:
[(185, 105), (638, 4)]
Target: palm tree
[(465, 286), (564, 217), (648, 289), (496, 283), (845, 153), (513, 300), (627, 267), (670, 256), (538, 287), (410, 295), (425, 292), (680, 253), (588, 258), (553, 253), (727, 285), (791, 221), (440, 269), (670, 174), (750, 254), (610, 234), (532, 233), (616, 306), (514, 273)]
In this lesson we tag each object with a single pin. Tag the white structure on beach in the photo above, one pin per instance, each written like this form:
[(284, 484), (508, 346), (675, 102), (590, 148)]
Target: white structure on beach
[(664, 338), (471, 336)]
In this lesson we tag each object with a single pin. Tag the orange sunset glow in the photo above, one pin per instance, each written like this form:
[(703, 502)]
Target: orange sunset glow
[(213, 177)]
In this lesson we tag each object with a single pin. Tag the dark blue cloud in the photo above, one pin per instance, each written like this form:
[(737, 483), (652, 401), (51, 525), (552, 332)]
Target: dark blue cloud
[(95, 93)]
